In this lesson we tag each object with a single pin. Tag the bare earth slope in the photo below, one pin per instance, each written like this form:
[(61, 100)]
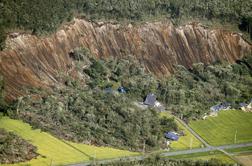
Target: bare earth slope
[(33, 61)]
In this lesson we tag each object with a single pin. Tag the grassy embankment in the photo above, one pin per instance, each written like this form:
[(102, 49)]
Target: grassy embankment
[(229, 127), (56, 152)]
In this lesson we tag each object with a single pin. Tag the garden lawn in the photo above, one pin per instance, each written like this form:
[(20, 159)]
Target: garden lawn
[(57, 152), (185, 142), (221, 130)]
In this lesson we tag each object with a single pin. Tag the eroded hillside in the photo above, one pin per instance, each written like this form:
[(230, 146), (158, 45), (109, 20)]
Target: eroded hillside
[(32, 61)]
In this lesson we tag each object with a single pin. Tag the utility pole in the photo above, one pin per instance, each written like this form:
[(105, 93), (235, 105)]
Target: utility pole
[(144, 147), (235, 136)]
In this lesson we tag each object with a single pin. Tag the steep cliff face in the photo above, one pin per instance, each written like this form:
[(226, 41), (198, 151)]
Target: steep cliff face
[(33, 61)]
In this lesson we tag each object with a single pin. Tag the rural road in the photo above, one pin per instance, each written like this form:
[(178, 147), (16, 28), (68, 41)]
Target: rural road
[(167, 154)]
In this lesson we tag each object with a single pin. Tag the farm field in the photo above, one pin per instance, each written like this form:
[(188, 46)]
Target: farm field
[(57, 152), (240, 150), (206, 156), (245, 159), (229, 127), (184, 142)]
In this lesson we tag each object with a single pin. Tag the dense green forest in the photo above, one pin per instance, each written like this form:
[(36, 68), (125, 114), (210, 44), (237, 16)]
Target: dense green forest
[(45, 16), (86, 112), (91, 110), (156, 160), (189, 93), (13, 149)]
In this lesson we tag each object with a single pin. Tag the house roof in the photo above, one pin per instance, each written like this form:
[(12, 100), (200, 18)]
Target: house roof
[(243, 104), (221, 106), (171, 135), (121, 89), (150, 99)]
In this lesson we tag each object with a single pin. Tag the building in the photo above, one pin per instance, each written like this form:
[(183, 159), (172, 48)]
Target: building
[(150, 100), (121, 90), (219, 107), (172, 136), (243, 106)]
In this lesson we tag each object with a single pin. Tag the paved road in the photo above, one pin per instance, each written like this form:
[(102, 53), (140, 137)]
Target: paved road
[(211, 148), (167, 154)]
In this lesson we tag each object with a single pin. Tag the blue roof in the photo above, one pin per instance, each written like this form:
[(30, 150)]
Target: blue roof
[(121, 90), (171, 135), (215, 108)]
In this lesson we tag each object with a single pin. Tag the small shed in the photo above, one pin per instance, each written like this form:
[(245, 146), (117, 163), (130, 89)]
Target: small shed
[(171, 135), (150, 100), (121, 90)]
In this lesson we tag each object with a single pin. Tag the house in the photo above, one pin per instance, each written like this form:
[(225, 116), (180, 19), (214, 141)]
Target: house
[(219, 107), (243, 106), (226, 106), (171, 135), (121, 90), (150, 100), (215, 108)]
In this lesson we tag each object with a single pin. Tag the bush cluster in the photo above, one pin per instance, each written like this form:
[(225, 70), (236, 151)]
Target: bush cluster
[(13, 149), (157, 160)]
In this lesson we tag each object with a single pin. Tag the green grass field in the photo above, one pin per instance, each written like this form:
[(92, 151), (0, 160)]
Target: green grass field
[(54, 151), (184, 142), (206, 156), (240, 150), (222, 129)]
